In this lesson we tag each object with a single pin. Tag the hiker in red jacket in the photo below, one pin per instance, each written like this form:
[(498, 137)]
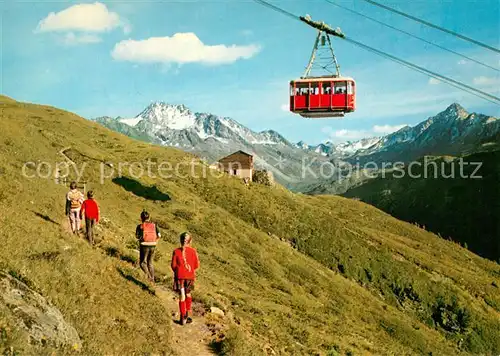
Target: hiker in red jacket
[(91, 211), (184, 263), (148, 235)]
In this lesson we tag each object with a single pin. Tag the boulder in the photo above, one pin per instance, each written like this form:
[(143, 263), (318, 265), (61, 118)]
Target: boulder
[(43, 322), (216, 311)]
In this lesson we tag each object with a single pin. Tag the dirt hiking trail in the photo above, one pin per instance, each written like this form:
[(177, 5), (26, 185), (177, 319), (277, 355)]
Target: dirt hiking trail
[(187, 340), (190, 339)]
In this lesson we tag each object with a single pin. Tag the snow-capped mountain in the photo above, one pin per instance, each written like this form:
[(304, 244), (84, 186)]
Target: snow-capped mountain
[(212, 137), (357, 147), (176, 125), (453, 131), (302, 144)]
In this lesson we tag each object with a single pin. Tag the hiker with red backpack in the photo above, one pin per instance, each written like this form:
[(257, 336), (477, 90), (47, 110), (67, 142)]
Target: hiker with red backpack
[(148, 235), (184, 263), (91, 211), (74, 201)]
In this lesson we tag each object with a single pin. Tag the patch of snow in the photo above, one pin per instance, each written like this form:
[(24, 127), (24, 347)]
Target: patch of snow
[(223, 140), (161, 115), (131, 122), (302, 144), (353, 147), (268, 142)]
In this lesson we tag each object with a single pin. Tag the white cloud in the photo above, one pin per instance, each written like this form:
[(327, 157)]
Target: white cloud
[(486, 81), (180, 48), (349, 134), (462, 62), (345, 134), (434, 81), (387, 129), (285, 107), (82, 17), (71, 39)]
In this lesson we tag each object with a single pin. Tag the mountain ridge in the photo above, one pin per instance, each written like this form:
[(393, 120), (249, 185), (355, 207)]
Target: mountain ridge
[(452, 131), (162, 115), (212, 137), (452, 118)]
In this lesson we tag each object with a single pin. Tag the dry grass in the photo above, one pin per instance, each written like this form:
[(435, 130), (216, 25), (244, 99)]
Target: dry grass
[(340, 291)]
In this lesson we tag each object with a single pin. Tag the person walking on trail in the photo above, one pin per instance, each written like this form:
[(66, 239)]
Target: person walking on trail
[(184, 264), (74, 201), (148, 235), (91, 211)]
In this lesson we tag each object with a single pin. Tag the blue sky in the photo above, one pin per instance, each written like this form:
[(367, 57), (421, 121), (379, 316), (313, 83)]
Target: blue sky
[(100, 59)]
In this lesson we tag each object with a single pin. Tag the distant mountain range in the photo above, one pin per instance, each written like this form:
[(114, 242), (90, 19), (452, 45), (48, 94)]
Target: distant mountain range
[(453, 131), (213, 137)]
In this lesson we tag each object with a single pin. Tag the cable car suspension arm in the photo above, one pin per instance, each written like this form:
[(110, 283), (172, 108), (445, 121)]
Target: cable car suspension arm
[(322, 26), (320, 40)]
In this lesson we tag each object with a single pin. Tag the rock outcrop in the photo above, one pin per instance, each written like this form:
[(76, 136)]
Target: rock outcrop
[(31, 312), (263, 177)]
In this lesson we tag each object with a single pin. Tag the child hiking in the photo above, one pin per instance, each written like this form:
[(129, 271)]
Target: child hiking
[(74, 200), (148, 235), (184, 263), (91, 211)]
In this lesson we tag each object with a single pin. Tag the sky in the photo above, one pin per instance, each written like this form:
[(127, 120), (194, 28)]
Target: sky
[(235, 58)]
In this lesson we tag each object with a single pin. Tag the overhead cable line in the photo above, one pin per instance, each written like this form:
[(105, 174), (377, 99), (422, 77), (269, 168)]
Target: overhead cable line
[(323, 27), (427, 23), (479, 93), (277, 9), (412, 35)]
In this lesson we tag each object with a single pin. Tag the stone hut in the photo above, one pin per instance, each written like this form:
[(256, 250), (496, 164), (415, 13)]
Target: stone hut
[(238, 164)]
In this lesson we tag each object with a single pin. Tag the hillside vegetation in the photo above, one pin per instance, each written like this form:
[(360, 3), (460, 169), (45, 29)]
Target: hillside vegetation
[(295, 274), (461, 204)]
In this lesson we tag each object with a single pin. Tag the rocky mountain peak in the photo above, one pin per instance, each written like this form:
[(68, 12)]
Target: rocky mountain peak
[(456, 111)]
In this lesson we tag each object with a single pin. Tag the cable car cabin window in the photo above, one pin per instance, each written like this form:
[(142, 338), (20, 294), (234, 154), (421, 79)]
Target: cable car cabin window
[(302, 89), (314, 89), (349, 88), (326, 88), (340, 87)]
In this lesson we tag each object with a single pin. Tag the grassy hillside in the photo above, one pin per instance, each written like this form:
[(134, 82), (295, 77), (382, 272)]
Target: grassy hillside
[(463, 207), (295, 274)]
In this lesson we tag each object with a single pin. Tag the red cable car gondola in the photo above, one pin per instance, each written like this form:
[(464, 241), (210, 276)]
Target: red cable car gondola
[(324, 96)]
